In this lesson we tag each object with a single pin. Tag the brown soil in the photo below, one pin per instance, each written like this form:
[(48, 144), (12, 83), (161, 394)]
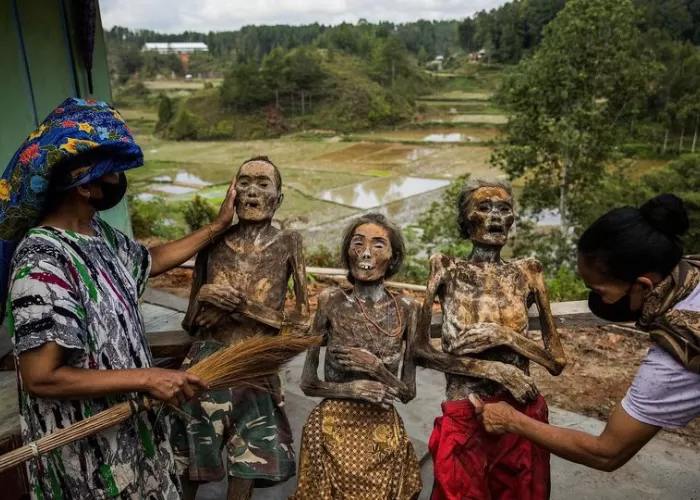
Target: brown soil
[(602, 362)]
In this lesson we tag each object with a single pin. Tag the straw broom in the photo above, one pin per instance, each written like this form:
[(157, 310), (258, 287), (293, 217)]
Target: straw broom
[(239, 365)]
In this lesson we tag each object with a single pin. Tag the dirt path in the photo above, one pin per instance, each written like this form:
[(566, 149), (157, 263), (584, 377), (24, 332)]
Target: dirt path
[(601, 364)]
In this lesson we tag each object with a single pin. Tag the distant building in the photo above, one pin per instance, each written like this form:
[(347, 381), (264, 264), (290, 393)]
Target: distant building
[(176, 48)]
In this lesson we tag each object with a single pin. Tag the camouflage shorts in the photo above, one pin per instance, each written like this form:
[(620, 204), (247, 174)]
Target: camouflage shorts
[(250, 423)]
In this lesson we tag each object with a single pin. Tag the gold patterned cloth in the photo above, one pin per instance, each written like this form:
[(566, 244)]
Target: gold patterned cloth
[(352, 450), (676, 331)]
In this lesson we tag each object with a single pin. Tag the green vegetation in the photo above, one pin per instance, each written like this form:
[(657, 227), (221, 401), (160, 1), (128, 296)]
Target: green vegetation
[(590, 104)]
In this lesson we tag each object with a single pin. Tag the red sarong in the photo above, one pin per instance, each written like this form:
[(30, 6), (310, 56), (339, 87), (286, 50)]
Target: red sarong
[(471, 464)]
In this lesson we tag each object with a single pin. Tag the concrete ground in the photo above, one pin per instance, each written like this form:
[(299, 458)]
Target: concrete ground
[(661, 470)]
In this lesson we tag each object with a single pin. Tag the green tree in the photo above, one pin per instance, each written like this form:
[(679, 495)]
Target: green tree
[(390, 61), (166, 112), (438, 225), (568, 102), (423, 57), (244, 87), (682, 178), (275, 72)]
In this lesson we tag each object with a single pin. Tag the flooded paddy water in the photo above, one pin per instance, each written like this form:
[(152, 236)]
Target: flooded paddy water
[(436, 134), (378, 192)]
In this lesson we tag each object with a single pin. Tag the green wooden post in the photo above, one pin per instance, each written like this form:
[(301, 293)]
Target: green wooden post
[(41, 66)]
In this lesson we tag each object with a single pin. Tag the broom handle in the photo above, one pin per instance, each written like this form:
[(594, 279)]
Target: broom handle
[(66, 436)]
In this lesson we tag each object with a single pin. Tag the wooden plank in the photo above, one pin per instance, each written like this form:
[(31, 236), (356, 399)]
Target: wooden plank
[(172, 344), (48, 53), (167, 300), (17, 119)]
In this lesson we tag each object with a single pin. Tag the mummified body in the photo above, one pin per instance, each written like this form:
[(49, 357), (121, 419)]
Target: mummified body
[(238, 290), (486, 352), (354, 445)]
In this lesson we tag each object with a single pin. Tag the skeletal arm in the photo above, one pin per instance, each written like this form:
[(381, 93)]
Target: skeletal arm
[(301, 291), (480, 337), (520, 385), (550, 334)]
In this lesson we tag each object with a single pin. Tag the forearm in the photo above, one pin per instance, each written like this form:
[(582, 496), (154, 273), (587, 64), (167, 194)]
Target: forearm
[(387, 378), (429, 357), (572, 445), (169, 255), (322, 389), (67, 382), (481, 337)]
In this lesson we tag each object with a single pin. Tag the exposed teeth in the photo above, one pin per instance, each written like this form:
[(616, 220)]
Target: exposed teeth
[(365, 266)]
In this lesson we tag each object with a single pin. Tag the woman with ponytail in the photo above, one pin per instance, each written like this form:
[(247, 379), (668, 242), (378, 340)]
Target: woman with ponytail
[(632, 261)]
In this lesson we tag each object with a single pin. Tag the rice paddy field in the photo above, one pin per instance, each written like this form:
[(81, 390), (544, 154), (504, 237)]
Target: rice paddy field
[(328, 179)]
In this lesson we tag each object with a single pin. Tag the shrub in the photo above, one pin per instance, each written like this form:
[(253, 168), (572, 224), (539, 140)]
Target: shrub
[(199, 213)]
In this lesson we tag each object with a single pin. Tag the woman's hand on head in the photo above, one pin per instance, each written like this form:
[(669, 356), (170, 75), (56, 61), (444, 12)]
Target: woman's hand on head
[(174, 387), (226, 212)]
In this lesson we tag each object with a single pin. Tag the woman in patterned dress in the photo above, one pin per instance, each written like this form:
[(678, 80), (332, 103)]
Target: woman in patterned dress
[(73, 307)]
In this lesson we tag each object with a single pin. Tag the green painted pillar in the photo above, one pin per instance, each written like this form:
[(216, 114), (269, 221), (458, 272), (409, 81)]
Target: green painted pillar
[(41, 67)]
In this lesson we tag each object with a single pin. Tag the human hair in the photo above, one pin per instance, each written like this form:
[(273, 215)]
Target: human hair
[(465, 195), (629, 242), (398, 246), (278, 175)]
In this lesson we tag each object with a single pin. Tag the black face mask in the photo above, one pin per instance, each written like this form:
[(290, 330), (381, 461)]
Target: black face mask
[(112, 194), (618, 312)]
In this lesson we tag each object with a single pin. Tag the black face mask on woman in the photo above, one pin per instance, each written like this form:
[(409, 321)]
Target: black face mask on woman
[(617, 312), (112, 194)]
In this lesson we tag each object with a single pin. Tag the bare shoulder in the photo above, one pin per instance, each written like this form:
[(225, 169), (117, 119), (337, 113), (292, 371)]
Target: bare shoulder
[(439, 262), (407, 302), (289, 235), (529, 264), (331, 297), (532, 268)]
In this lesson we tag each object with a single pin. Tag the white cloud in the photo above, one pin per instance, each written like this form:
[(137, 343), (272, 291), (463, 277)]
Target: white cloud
[(175, 16)]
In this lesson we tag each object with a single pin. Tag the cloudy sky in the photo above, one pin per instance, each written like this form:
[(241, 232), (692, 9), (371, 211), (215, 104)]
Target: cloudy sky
[(220, 15)]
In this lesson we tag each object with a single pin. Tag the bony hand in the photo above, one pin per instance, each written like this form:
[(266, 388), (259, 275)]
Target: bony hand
[(225, 217), (356, 360), (174, 387), (375, 393), (211, 316), (224, 297), (496, 417), (520, 385)]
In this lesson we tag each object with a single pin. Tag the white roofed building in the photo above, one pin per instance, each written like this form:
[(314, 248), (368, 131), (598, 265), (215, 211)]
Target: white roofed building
[(176, 47)]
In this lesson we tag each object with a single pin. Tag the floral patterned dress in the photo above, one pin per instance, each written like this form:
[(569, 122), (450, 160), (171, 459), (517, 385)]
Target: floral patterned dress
[(82, 293)]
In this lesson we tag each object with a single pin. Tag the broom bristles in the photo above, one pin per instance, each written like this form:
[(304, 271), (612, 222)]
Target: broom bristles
[(239, 365)]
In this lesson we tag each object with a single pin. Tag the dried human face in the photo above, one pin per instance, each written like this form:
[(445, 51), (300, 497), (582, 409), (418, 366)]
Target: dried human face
[(257, 192), (490, 215), (370, 253)]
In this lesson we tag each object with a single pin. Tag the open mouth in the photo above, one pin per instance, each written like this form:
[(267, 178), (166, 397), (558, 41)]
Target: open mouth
[(251, 204), (365, 266), (496, 230)]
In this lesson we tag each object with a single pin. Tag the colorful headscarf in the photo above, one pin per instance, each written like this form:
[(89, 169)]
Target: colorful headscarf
[(76, 127)]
